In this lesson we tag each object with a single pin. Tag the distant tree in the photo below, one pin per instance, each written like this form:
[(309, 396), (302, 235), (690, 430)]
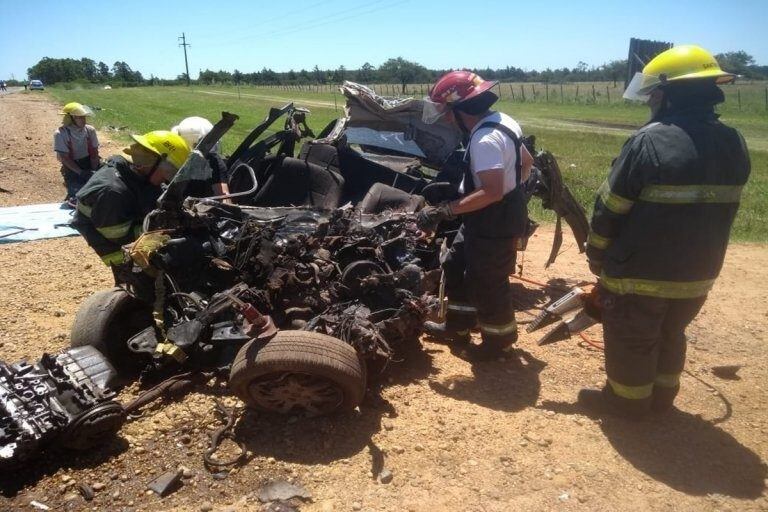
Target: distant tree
[(122, 71), (318, 74), (237, 76), (89, 69), (366, 74), (736, 62), (104, 74), (403, 72)]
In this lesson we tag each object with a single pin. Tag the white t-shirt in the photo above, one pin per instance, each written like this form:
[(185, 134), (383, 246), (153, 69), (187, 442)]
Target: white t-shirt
[(65, 136), (490, 149)]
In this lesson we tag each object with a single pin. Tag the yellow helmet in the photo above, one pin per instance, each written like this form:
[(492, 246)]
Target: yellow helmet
[(76, 109), (166, 144), (686, 62)]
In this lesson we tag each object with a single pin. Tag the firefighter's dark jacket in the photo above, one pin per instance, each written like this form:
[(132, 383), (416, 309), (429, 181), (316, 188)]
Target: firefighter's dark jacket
[(663, 217), (111, 208)]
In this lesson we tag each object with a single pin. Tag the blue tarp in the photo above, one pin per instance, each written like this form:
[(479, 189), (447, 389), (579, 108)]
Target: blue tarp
[(34, 222)]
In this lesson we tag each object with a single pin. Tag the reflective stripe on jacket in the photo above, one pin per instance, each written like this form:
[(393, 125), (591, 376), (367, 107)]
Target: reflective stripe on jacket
[(662, 219), (111, 208)]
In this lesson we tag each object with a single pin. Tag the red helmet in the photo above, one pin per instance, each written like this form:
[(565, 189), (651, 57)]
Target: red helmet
[(457, 86)]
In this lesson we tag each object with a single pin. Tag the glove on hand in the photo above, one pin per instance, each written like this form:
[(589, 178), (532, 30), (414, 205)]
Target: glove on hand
[(429, 217)]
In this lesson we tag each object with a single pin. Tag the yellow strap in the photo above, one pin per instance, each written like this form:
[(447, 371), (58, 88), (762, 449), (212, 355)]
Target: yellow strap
[(691, 194), (667, 380), (595, 240), (117, 231), (499, 329), (631, 392), (84, 209), (113, 258), (614, 202), (661, 289)]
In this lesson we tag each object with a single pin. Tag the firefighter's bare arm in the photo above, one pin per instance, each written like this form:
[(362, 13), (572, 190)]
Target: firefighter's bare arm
[(527, 162), (67, 162), (491, 190)]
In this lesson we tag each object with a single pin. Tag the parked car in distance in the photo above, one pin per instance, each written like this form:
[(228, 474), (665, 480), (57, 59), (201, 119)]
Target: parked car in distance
[(36, 85)]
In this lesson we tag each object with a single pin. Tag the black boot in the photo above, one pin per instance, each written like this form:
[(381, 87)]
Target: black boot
[(600, 402), (439, 332)]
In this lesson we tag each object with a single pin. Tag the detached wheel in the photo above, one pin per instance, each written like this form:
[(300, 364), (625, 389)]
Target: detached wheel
[(299, 372), (106, 321)]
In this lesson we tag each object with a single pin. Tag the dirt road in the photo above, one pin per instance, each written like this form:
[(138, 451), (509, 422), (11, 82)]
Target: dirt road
[(495, 436)]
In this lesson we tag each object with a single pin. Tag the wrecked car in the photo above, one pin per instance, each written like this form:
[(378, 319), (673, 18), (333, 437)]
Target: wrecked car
[(298, 289)]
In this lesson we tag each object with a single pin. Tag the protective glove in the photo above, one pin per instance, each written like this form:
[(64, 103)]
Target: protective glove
[(595, 267), (429, 217)]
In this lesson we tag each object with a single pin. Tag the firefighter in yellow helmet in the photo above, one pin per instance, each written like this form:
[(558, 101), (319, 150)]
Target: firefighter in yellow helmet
[(111, 207), (77, 148), (660, 229)]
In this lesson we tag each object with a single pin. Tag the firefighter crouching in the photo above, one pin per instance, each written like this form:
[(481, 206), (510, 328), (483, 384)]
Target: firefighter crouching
[(493, 210), (111, 207), (660, 229)]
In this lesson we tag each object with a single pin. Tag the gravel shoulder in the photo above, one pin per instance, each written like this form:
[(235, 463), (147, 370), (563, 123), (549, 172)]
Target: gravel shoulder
[(495, 436)]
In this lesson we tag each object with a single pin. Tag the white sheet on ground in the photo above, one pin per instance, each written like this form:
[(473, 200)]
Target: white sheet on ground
[(34, 222)]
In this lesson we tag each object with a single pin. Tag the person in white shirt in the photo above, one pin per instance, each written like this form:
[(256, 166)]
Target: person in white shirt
[(493, 211), (77, 148)]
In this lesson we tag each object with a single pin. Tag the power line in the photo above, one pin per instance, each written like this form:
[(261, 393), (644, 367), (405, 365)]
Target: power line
[(331, 18), (184, 45)]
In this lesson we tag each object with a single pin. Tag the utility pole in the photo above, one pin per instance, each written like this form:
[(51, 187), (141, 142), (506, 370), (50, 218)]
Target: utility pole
[(184, 45)]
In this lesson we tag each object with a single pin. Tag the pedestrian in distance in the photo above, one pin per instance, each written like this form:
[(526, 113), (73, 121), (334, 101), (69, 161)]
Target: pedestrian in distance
[(493, 212), (660, 229), (77, 148)]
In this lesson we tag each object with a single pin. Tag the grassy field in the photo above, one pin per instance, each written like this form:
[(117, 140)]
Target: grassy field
[(584, 136)]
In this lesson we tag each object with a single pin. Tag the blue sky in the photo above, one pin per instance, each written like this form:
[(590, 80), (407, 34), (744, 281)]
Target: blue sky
[(282, 35)]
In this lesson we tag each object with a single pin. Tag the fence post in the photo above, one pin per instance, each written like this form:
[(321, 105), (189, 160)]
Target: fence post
[(562, 98), (594, 96), (499, 84), (335, 107), (546, 90), (608, 93), (738, 95), (511, 90), (577, 91), (533, 89), (766, 98), (522, 92)]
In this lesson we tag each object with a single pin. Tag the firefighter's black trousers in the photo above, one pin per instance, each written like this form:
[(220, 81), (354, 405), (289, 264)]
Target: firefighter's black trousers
[(645, 348), (477, 285)]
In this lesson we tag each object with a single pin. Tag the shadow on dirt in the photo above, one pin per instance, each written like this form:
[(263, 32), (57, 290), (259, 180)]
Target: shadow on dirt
[(11, 482), (509, 385), (683, 451), (322, 440)]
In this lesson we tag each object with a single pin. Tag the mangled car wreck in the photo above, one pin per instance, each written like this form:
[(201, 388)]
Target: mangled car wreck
[(297, 288)]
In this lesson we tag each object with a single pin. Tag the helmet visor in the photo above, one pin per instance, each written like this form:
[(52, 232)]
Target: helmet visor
[(431, 112), (641, 86)]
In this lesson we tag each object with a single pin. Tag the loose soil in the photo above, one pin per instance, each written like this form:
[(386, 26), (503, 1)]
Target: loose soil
[(495, 436)]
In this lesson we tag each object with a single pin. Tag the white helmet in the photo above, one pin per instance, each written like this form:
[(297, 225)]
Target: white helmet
[(193, 129)]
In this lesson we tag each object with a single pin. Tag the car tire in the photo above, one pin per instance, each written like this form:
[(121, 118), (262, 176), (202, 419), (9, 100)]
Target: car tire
[(106, 321), (299, 372)]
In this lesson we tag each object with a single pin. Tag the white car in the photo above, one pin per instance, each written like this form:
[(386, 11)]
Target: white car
[(36, 85)]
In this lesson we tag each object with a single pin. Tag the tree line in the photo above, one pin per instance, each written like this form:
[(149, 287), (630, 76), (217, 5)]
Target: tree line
[(395, 70)]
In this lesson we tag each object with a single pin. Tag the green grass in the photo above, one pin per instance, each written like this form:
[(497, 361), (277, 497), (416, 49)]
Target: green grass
[(584, 137)]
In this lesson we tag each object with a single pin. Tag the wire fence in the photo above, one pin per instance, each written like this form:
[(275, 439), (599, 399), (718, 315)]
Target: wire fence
[(741, 96)]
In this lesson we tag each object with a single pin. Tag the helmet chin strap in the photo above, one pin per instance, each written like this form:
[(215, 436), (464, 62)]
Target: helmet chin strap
[(155, 167)]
